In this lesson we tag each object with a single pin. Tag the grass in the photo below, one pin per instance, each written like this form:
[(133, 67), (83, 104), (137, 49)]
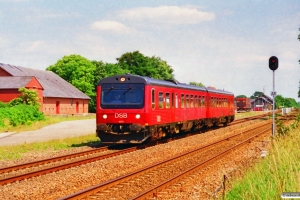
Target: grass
[(17, 151), (278, 172), (247, 114), (48, 121)]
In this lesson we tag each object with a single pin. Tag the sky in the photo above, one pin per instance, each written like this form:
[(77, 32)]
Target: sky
[(225, 44)]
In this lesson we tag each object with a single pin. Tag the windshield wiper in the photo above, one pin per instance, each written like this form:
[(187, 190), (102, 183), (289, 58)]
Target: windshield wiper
[(130, 87), (112, 87)]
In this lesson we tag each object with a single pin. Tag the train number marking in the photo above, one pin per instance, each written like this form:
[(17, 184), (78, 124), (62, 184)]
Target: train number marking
[(120, 115)]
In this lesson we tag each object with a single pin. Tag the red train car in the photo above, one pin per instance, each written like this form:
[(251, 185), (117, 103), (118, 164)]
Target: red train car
[(133, 109), (243, 104)]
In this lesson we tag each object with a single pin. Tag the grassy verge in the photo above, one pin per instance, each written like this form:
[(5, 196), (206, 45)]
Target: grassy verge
[(278, 172), (17, 151), (247, 114), (48, 121)]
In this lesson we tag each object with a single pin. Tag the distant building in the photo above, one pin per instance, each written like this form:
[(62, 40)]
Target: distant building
[(57, 96), (261, 103)]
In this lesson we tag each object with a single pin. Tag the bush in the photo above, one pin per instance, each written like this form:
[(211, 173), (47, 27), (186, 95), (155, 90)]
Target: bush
[(20, 114)]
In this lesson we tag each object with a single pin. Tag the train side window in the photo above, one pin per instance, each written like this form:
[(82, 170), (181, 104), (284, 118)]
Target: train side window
[(160, 100), (153, 98), (201, 101), (215, 102), (182, 101), (167, 100), (192, 101), (187, 101), (196, 101), (176, 101), (172, 100)]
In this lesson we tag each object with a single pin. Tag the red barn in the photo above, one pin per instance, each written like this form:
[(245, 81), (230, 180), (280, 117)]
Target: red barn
[(9, 87), (57, 95)]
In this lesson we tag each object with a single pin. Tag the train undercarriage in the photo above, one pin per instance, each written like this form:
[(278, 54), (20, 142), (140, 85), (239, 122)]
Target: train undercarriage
[(136, 133)]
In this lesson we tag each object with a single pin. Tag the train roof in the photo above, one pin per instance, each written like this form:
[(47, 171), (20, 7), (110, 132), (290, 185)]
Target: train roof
[(129, 78)]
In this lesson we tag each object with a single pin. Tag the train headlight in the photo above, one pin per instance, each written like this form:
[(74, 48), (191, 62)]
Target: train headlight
[(104, 116), (138, 116)]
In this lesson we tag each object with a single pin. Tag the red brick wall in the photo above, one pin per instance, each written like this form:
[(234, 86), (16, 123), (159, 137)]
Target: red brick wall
[(52, 106), (6, 95)]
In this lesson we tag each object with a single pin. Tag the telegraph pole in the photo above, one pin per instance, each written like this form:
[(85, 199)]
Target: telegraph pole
[(273, 65)]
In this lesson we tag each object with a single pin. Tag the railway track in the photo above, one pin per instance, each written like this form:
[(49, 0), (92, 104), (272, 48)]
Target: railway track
[(32, 169), (149, 181), (71, 159), (237, 121)]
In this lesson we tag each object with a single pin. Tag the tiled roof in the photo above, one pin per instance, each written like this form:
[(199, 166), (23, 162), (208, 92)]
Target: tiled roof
[(14, 82), (54, 85)]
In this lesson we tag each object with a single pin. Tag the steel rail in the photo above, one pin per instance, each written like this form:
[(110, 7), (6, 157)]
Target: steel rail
[(102, 186), (6, 180), (49, 160), (149, 193)]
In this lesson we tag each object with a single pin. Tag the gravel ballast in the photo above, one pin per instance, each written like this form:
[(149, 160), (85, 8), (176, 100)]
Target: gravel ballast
[(61, 183)]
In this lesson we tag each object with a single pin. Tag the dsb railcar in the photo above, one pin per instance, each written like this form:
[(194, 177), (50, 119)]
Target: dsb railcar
[(243, 104), (133, 109)]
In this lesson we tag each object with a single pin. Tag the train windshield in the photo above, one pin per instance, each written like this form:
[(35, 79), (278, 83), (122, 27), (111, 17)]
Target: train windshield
[(122, 95)]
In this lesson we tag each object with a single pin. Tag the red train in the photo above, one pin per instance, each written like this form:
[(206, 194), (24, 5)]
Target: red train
[(243, 104), (134, 109)]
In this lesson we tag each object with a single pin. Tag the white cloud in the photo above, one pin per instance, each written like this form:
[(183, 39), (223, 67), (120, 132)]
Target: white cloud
[(35, 46), (167, 15), (108, 25)]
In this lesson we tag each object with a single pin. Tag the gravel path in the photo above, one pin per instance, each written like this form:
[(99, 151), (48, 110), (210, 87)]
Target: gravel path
[(56, 131)]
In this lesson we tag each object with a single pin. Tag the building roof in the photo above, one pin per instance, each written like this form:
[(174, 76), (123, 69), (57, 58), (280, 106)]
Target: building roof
[(54, 85), (14, 82)]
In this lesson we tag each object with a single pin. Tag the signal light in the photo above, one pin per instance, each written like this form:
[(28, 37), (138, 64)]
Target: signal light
[(273, 63)]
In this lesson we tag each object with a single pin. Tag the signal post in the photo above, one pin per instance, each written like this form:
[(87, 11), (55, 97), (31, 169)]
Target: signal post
[(273, 65)]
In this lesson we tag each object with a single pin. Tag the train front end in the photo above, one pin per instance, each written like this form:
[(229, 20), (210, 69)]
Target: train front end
[(120, 111)]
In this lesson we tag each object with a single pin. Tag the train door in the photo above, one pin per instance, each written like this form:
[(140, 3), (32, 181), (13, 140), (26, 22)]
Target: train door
[(175, 103), (172, 107)]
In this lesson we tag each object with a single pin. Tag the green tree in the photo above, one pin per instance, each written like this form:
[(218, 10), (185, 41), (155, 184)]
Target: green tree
[(241, 96), (137, 63), (197, 84), (257, 94), (28, 97), (103, 70), (76, 70), (79, 72)]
